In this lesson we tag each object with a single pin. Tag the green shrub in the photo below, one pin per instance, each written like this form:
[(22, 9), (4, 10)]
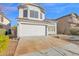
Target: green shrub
[(1, 25), (4, 40), (74, 31), (2, 31)]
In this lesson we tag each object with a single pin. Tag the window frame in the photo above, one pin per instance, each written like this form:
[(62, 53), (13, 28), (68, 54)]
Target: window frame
[(34, 14), (51, 28), (25, 13), (41, 16)]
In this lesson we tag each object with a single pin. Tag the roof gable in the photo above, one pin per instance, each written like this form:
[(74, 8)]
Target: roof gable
[(4, 17)]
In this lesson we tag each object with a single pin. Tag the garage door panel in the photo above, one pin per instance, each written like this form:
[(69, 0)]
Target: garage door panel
[(32, 30)]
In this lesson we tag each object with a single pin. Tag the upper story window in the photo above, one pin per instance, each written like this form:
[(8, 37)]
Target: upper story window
[(25, 14), (33, 14), (41, 15)]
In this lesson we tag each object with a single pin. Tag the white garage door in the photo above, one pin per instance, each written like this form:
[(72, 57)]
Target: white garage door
[(31, 30)]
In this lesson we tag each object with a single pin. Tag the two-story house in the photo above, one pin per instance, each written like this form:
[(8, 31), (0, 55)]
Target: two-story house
[(66, 23), (32, 22)]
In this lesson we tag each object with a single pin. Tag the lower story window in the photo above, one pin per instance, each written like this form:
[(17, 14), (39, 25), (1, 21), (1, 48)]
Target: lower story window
[(51, 28)]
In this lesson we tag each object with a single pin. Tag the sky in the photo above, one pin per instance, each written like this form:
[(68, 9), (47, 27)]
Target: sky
[(52, 10)]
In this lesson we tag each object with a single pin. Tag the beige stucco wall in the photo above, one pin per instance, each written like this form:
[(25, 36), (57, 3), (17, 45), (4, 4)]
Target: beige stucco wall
[(63, 26)]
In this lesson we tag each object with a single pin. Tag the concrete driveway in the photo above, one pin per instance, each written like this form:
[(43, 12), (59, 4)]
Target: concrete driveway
[(45, 46)]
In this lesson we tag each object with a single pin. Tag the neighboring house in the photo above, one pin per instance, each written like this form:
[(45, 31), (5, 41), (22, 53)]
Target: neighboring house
[(32, 22), (4, 21), (66, 23)]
